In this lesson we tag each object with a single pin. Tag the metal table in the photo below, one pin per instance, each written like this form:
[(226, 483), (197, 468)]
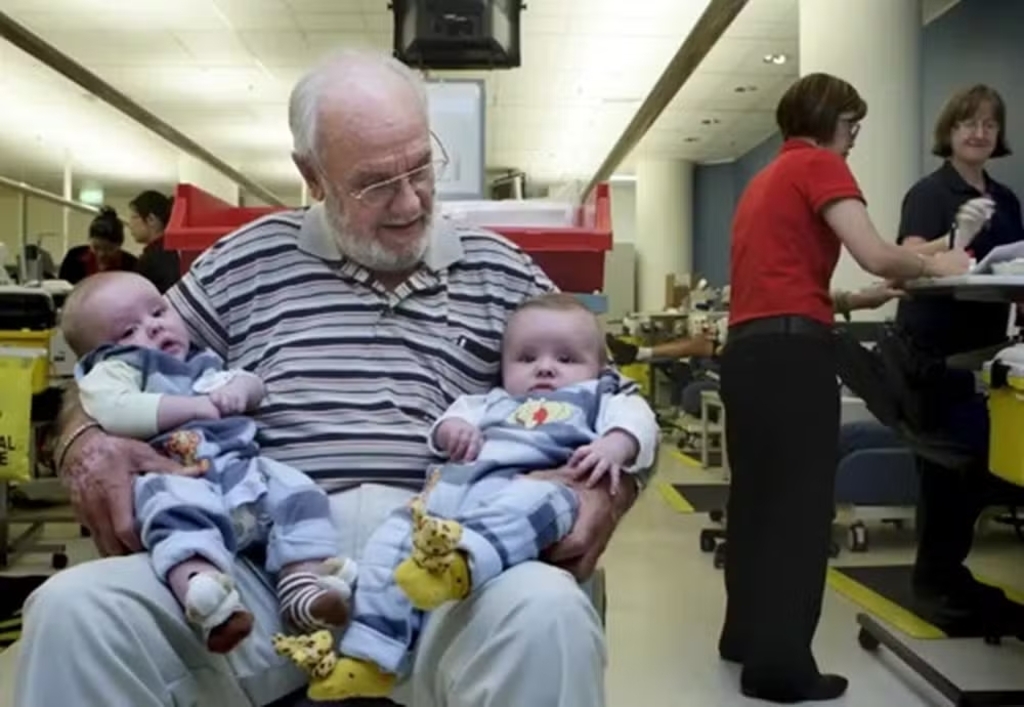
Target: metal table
[(973, 287)]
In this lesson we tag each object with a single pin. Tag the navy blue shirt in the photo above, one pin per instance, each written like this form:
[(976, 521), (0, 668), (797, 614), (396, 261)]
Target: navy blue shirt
[(944, 325)]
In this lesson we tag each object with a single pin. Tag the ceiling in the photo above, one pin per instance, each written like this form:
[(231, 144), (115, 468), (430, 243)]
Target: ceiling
[(221, 70)]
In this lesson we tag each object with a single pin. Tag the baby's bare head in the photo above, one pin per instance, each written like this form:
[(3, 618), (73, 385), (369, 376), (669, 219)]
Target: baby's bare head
[(551, 341), (121, 307)]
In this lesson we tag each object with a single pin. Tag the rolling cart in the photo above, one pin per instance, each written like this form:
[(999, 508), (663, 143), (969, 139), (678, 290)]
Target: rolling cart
[(1006, 459)]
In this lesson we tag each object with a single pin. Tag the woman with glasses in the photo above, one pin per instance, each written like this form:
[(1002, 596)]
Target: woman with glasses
[(969, 132), (103, 252), (779, 385)]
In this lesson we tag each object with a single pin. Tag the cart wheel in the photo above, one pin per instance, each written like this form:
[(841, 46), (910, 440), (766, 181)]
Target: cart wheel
[(84, 532), (707, 541), (867, 641), (717, 515), (59, 561), (858, 538), (719, 560), (993, 640), (833, 550)]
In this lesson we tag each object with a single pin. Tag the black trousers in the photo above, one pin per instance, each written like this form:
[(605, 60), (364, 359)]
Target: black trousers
[(781, 400), (949, 504)]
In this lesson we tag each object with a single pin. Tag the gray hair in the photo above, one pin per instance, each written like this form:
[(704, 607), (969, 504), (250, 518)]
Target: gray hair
[(304, 103)]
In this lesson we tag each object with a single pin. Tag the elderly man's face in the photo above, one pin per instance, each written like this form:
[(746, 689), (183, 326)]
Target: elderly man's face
[(377, 183)]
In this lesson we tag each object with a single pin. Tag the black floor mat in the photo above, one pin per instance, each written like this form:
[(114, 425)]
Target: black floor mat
[(890, 596), (703, 498)]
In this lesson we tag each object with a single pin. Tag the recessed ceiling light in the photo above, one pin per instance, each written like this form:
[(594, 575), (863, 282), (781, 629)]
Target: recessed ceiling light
[(775, 59)]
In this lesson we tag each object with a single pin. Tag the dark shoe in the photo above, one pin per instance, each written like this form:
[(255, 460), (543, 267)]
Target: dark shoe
[(825, 687), (964, 607), (623, 353)]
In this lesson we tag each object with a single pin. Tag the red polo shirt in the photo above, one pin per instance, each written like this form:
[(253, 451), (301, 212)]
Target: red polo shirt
[(783, 253)]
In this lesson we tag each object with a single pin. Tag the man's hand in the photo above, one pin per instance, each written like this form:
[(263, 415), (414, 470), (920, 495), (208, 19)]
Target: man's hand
[(604, 457), (458, 439), (599, 514), (99, 471), (238, 396)]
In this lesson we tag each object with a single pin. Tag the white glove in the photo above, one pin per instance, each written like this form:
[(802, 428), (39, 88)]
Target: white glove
[(1000, 254), (971, 218)]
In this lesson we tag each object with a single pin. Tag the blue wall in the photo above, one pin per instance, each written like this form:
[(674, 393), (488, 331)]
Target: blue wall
[(978, 41), (716, 189)]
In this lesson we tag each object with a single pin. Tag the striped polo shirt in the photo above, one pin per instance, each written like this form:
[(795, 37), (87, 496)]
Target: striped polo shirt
[(355, 374)]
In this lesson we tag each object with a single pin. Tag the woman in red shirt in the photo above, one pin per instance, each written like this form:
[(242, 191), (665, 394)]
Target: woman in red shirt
[(779, 383), (104, 251)]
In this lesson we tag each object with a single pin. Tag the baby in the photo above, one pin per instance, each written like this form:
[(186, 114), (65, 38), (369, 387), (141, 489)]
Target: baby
[(139, 376), (480, 514)]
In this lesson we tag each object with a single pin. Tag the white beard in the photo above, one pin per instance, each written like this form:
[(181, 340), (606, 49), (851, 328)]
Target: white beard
[(369, 252)]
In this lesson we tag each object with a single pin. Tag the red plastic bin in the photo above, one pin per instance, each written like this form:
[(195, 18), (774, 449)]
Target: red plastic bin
[(573, 257)]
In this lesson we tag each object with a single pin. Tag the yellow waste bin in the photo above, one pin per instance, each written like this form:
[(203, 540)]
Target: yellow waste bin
[(17, 373), (1006, 420)]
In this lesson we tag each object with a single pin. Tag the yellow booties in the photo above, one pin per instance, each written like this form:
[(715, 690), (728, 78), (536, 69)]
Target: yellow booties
[(437, 571), (332, 678)]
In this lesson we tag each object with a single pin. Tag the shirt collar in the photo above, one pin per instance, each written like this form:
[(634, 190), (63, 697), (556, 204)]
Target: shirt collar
[(958, 185), (444, 249), (795, 143)]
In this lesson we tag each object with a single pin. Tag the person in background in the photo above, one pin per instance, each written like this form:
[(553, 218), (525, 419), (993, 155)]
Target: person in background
[(707, 345), (959, 196), (103, 251), (148, 216), (779, 384)]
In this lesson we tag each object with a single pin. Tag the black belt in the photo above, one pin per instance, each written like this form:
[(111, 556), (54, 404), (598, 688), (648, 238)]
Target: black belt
[(787, 324)]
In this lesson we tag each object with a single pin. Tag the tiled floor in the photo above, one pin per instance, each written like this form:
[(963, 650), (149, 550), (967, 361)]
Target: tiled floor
[(666, 605)]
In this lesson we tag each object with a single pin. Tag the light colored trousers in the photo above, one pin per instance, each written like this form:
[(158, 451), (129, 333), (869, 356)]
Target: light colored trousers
[(109, 634)]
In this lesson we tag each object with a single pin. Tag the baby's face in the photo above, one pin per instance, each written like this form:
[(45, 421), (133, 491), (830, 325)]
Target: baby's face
[(545, 349), (132, 312)]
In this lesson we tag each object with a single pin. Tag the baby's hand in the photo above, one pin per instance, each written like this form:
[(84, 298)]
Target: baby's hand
[(603, 457), (241, 394), (458, 439)]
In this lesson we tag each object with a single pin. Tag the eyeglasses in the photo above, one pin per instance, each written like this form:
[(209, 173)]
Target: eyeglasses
[(971, 126), (385, 191)]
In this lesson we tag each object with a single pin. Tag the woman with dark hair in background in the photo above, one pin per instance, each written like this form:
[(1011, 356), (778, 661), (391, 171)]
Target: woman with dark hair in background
[(780, 388), (148, 216), (969, 131), (102, 253)]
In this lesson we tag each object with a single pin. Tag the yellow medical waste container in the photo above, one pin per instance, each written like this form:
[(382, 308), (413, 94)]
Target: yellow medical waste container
[(31, 342), (1006, 421)]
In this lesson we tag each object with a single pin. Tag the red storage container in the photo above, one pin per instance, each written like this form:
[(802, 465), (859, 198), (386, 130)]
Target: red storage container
[(573, 257)]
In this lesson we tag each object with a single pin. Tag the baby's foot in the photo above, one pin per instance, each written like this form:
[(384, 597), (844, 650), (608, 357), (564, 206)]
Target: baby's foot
[(436, 571), (213, 605), (316, 596), (350, 678), (428, 587)]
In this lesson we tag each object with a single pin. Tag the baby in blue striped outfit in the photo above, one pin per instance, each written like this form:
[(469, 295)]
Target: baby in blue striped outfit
[(559, 407), (139, 376)]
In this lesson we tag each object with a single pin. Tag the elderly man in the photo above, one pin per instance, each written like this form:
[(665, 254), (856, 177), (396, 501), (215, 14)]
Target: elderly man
[(365, 318)]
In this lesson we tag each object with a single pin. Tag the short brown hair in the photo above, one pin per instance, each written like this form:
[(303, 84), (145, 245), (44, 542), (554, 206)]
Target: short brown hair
[(811, 107), (964, 105)]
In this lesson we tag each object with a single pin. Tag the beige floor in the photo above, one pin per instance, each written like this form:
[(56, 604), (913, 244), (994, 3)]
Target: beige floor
[(666, 606)]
